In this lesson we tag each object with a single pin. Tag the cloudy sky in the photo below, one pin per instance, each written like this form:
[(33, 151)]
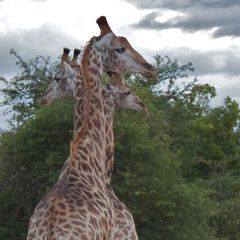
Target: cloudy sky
[(204, 32)]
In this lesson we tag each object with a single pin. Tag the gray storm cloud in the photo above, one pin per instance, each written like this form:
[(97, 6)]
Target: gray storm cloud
[(222, 15), (46, 41), (211, 62)]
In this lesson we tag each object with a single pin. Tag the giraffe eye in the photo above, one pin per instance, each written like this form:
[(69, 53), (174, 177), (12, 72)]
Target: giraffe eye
[(127, 93), (120, 50), (109, 86), (57, 79)]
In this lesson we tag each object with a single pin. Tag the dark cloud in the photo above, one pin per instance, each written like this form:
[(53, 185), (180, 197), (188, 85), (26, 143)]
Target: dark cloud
[(198, 15), (46, 41), (227, 89), (208, 63), (182, 4), (218, 68), (231, 90)]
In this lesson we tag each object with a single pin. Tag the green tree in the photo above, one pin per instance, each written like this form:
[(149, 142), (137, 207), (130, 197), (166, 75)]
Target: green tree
[(22, 91), (219, 148), (148, 178), (31, 159), (177, 170)]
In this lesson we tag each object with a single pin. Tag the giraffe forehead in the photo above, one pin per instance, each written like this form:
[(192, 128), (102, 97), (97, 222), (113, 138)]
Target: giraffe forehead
[(116, 41), (105, 41), (124, 42), (122, 88), (129, 48), (60, 67)]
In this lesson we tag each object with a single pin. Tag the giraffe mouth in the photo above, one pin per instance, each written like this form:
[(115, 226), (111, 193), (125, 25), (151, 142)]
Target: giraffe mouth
[(149, 71), (110, 73)]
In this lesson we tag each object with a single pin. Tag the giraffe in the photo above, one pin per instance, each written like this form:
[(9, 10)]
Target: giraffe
[(78, 206), (60, 88), (115, 95), (64, 85)]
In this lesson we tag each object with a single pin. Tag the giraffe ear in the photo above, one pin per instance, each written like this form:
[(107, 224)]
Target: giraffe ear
[(71, 73), (104, 42)]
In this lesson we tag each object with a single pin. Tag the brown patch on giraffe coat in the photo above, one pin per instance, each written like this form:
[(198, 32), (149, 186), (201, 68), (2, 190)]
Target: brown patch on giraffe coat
[(95, 61), (92, 208), (89, 195), (62, 220), (97, 140), (84, 237), (86, 167), (45, 223), (79, 91), (72, 179), (67, 226), (62, 205), (97, 123)]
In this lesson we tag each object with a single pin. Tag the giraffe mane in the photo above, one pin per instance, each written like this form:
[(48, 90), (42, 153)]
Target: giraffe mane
[(86, 47), (77, 140), (82, 131)]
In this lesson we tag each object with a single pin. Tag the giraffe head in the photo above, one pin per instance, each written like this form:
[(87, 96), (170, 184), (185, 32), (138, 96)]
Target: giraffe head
[(123, 97), (118, 55), (63, 84), (63, 81), (65, 71)]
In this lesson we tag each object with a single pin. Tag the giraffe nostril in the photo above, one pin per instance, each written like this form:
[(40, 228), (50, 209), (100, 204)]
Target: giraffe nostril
[(57, 79), (141, 104), (143, 108), (43, 101)]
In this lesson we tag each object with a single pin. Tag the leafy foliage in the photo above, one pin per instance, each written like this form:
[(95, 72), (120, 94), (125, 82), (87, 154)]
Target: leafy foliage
[(177, 170), (31, 159), (23, 90)]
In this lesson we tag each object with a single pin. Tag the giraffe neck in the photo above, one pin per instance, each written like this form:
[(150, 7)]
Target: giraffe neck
[(108, 103), (88, 145), (78, 96), (109, 150)]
